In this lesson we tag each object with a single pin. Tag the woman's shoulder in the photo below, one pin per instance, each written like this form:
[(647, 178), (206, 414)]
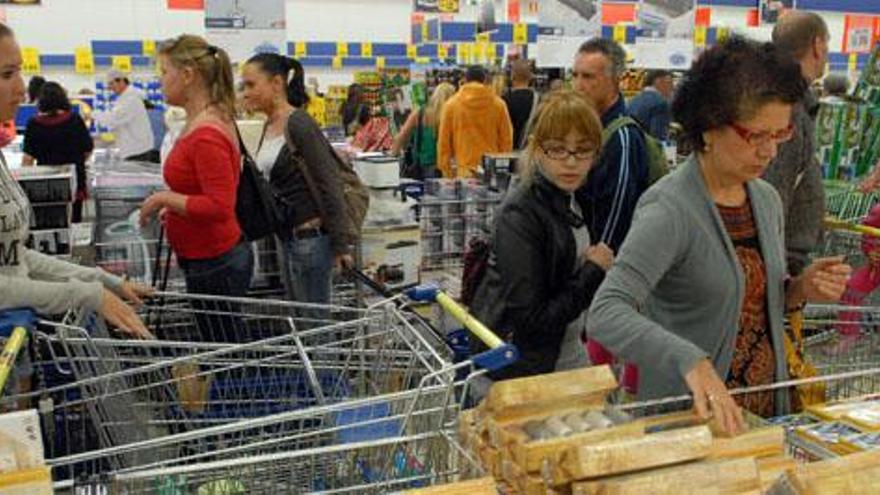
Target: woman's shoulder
[(212, 130)]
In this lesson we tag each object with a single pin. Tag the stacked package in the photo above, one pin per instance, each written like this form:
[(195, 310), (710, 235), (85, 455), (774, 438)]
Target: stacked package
[(842, 128), (554, 434), (848, 131)]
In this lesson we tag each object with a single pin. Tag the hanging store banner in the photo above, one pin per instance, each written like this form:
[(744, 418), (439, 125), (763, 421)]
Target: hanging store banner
[(436, 6), (665, 34), (21, 2), (246, 27), (564, 25), (772, 9), (859, 33)]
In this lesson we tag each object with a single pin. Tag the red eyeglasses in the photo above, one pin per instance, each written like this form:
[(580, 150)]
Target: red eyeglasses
[(760, 138)]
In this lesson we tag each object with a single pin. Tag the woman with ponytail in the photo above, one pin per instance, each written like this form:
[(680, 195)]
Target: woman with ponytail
[(300, 165), (202, 171)]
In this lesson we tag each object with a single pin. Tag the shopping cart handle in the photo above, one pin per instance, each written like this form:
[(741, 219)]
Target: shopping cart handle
[(431, 292), (11, 319), (423, 293), (497, 358)]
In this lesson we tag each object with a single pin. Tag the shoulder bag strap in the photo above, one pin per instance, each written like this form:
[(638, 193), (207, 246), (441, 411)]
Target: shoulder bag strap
[(304, 166)]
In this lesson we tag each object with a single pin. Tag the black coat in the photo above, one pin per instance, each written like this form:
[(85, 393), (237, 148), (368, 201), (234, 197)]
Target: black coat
[(531, 292)]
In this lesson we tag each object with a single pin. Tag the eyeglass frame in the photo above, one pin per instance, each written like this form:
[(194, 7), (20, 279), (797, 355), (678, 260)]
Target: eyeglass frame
[(749, 135), (568, 154)]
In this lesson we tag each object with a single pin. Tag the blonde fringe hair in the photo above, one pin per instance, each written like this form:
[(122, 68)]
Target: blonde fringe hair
[(210, 62), (561, 112), (442, 93)]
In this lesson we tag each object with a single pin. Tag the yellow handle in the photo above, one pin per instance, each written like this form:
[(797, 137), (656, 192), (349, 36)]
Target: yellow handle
[(834, 223), (10, 352), (461, 314)]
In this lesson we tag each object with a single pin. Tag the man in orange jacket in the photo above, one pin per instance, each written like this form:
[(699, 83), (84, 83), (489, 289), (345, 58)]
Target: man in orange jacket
[(474, 122)]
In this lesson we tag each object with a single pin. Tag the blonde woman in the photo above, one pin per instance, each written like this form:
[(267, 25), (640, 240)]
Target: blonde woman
[(544, 267), (420, 130), (202, 171)]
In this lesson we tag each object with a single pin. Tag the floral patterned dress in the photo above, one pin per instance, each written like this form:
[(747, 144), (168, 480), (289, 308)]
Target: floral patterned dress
[(754, 362)]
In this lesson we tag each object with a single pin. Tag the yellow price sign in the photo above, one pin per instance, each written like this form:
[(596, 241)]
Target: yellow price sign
[(342, 49), (520, 33), (380, 63), (30, 60), (448, 6), (412, 51), (366, 49), (722, 34), (149, 48), (700, 34), (853, 62), (492, 51), (83, 61), (483, 38), (337, 63), (423, 60), (442, 52), (299, 49), (424, 32), (479, 52), (122, 63), (620, 33), (464, 52)]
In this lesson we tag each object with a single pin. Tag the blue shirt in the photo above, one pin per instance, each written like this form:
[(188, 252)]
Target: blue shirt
[(617, 180), (651, 109)]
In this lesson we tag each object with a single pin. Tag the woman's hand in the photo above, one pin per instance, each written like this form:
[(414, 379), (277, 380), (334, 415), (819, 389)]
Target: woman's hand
[(824, 281), (711, 398), (601, 255), (343, 262), (120, 315), (135, 293), (151, 205), (872, 182)]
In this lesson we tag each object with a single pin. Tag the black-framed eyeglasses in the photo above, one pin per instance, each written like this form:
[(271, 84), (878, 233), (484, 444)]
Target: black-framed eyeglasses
[(563, 153)]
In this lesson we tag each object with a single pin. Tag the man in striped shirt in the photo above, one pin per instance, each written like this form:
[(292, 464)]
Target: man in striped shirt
[(621, 173), (620, 176)]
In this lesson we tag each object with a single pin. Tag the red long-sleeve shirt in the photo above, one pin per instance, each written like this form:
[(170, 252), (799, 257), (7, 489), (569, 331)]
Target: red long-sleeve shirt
[(205, 166)]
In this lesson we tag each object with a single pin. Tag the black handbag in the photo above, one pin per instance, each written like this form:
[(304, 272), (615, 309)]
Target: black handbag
[(255, 204)]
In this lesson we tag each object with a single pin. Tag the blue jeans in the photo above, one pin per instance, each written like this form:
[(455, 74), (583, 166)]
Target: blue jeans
[(228, 275), (309, 265)]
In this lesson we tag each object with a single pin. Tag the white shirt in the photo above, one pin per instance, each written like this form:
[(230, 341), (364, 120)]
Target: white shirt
[(268, 154), (129, 122)]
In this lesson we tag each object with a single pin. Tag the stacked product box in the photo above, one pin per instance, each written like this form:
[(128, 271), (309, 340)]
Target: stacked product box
[(452, 212), (50, 190), (841, 129)]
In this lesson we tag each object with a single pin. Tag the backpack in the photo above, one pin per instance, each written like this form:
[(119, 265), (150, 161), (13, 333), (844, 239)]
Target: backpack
[(256, 206), (476, 261), (657, 165), (355, 195)]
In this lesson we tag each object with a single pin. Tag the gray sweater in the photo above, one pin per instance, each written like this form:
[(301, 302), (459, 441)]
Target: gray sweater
[(34, 280), (675, 292), (797, 176)]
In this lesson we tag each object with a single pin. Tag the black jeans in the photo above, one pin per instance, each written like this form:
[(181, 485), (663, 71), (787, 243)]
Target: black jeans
[(228, 275)]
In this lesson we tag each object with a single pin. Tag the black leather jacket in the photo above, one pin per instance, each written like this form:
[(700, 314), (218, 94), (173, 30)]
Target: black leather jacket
[(531, 291)]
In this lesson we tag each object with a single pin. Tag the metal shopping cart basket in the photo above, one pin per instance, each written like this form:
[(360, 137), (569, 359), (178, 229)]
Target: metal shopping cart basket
[(188, 390)]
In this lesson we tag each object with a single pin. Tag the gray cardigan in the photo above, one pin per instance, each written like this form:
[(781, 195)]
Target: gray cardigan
[(674, 294)]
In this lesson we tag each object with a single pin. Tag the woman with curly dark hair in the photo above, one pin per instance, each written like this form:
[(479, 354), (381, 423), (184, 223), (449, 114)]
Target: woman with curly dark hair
[(697, 294)]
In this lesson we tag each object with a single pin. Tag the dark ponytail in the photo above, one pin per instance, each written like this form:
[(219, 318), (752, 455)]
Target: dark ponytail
[(273, 65)]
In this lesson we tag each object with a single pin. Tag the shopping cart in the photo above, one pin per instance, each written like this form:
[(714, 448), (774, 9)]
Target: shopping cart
[(843, 201), (150, 261), (857, 384), (191, 399)]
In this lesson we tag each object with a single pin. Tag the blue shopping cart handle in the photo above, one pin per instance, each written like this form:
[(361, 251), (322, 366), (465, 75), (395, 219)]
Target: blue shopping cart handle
[(424, 292), (497, 358), (11, 319)]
